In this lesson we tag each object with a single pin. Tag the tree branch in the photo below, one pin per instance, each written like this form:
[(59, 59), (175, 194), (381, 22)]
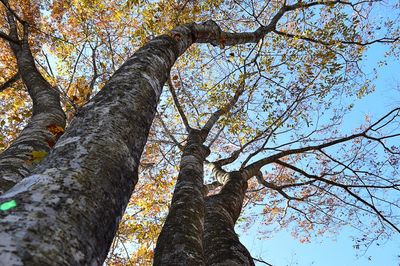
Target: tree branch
[(225, 109), (10, 82), (262, 261), (48, 118), (170, 135), (344, 187), (9, 38), (13, 13), (279, 189), (252, 169), (210, 32), (209, 187), (220, 174), (178, 105), (334, 42)]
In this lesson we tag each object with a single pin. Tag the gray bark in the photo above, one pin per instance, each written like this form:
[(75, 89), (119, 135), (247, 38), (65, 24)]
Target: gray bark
[(16, 161), (221, 243), (181, 239), (68, 210)]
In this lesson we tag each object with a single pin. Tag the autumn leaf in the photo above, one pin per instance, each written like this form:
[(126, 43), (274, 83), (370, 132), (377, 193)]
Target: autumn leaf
[(55, 130), (38, 156)]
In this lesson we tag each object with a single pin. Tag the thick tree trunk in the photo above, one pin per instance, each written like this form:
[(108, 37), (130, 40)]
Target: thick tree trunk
[(40, 133), (221, 243), (181, 239)]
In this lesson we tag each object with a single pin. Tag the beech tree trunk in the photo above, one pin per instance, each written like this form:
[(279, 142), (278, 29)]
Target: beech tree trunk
[(47, 115), (68, 209), (200, 231), (181, 238), (221, 243)]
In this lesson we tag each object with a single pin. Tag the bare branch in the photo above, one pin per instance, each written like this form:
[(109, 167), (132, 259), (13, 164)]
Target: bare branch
[(344, 187), (210, 32), (262, 261), (178, 105), (216, 136), (74, 69), (334, 42), (170, 135), (280, 188), (95, 71), (252, 169)]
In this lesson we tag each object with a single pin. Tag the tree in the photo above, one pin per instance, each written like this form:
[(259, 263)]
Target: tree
[(83, 185)]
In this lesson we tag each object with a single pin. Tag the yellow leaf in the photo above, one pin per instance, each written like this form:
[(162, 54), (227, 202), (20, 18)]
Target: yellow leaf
[(38, 156)]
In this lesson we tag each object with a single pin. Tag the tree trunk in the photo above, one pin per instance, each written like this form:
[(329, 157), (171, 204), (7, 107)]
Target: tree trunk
[(221, 243), (68, 211), (181, 238), (40, 133)]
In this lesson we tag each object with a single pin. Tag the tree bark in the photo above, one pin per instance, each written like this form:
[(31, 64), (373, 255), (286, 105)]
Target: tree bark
[(38, 135), (221, 243), (68, 210), (181, 238)]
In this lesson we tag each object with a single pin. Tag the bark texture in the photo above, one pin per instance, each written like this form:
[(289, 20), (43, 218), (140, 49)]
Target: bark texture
[(181, 239), (68, 210), (221, 243), (16, 161)]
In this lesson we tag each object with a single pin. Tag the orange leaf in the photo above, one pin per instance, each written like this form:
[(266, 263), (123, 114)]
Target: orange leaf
[(55, 130)]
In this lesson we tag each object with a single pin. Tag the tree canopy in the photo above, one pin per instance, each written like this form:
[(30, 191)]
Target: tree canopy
[(265, 88)]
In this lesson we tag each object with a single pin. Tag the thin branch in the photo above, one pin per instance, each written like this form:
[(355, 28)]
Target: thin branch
[(334, 42), (74, 69), (170, 135), (344, 187), (9, 38), (215, 137), (48, 64), (279, 189), (10, 82), (178, 105), (252, 169), (225, 109), (95, 71), (262, 261)]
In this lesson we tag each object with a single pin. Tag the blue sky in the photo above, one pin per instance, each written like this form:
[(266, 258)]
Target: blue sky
[(282, 249)]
